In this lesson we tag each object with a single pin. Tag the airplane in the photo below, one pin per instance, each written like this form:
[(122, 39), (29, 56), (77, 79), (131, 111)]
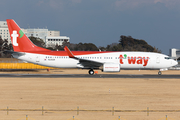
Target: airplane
[(107, 61)]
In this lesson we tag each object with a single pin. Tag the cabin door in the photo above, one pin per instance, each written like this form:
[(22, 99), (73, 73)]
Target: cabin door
[(157, 59), (37, 58)]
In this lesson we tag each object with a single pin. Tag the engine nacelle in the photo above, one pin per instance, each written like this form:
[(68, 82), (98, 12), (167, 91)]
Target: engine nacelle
[(111, 67)]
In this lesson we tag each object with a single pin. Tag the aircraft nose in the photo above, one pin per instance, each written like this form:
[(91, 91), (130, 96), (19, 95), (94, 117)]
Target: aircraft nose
[(175, 63)]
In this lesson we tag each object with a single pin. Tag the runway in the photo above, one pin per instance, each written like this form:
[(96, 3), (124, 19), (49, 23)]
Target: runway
[(89, 76)]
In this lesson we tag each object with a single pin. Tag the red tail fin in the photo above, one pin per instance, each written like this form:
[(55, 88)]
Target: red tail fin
[(20, 41)]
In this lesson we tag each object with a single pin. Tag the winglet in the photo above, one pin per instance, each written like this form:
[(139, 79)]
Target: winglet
[(69, 52)]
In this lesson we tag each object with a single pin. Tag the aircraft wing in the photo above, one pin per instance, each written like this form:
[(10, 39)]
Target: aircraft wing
[(83, 62), (90, 63)]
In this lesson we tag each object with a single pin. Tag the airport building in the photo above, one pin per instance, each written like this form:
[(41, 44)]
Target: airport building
[(174, 53), (4, 32), (50, 37)]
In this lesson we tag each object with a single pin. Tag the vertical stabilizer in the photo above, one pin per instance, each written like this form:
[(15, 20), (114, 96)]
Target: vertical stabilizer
[(20, 42)]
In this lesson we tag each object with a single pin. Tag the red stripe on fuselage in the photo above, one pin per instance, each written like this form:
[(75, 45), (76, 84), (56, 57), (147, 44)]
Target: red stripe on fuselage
[(64, 53)]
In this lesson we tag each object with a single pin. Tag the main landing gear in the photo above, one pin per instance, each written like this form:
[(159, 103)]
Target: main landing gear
[(159, 73), (91, 72)]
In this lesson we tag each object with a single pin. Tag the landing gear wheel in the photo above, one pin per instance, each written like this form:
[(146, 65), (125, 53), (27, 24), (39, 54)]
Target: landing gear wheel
[(159, 73), (91, 72)]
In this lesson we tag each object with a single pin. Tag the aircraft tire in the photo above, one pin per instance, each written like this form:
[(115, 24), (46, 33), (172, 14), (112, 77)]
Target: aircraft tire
[(159, 73), (91, 72)]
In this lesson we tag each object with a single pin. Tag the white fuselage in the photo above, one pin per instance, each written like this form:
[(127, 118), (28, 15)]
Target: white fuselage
[(127, 60)]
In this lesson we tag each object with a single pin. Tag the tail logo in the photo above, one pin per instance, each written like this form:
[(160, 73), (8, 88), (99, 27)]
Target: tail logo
[(21, 33), (14, 36)]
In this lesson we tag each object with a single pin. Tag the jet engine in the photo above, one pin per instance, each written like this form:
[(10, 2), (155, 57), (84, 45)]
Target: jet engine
[(111, 67)]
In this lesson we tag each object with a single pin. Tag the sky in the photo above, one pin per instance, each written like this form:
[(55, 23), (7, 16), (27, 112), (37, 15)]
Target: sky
[(101, 22)]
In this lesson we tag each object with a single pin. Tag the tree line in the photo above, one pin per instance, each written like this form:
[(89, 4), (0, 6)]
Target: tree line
[(4, 46), (125, 43)]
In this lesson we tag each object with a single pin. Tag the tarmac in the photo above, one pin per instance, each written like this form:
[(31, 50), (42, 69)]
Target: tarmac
[(66, 94), (90, 76)]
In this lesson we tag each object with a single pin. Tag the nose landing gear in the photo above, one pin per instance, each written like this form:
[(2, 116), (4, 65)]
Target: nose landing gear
[(159, 73)]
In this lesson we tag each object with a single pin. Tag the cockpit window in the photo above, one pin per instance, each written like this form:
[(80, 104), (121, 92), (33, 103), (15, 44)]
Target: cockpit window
[(167, 58)]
